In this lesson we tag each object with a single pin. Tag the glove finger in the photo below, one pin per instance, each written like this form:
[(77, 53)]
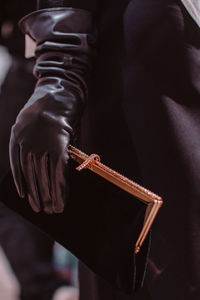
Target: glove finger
[(41, 170), (58, 178), (19, 181), (27, 166)]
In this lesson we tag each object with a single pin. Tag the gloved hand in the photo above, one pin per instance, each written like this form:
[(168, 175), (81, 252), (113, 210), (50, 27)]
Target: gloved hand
[(50, 119)]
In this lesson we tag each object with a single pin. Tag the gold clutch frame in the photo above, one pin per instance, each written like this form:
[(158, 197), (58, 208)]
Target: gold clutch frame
[(153, 201)]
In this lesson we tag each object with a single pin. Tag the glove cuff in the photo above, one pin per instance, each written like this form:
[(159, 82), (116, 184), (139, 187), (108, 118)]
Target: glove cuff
[(64, 45), (57, 21)]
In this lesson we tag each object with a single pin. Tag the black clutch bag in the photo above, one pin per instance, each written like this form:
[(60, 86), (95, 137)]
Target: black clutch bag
[(105, 223)]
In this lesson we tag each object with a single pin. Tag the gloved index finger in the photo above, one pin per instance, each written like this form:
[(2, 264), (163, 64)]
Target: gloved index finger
[(41, 171), (26, 161), (14, 153)]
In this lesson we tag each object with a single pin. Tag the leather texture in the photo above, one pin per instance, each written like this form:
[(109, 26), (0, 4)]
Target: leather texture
[(50, 119)]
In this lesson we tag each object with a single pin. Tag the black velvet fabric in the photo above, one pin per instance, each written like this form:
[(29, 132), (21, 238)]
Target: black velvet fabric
[(161, 101)]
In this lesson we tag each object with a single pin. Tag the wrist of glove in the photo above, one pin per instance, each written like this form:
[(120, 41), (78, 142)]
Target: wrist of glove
[(49, 120)]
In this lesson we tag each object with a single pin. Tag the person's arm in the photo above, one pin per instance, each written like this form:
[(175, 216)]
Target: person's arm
[(43, 130), (48, 122)]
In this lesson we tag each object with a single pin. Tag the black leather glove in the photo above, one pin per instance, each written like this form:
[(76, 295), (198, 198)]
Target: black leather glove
[(50, 119)]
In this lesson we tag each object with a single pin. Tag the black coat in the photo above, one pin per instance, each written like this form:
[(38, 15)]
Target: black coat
[(143, 118)]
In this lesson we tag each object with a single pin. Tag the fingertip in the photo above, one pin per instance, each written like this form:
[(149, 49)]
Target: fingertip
[(19, 189), (34, 207), (58, 210), (48, 210), (21, 195), (16, 170)]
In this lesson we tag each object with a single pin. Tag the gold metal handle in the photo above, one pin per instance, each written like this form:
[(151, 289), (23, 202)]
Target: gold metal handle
[(153, 201)]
